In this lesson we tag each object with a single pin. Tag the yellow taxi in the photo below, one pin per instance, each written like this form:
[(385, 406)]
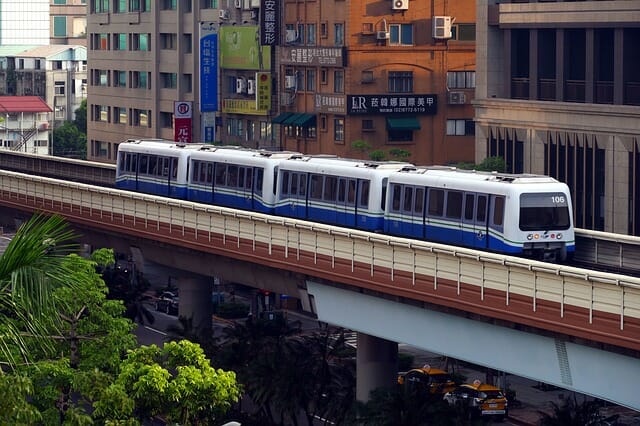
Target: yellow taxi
[(435, 380), (482, 398)]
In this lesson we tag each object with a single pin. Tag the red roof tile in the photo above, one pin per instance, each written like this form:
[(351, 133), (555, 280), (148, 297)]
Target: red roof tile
[(23, 104)]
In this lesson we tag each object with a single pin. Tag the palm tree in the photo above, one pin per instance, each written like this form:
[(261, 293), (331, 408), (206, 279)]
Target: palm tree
[(31, 268)]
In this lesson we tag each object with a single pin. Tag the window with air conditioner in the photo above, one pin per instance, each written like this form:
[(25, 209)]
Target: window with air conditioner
[(442, 27)]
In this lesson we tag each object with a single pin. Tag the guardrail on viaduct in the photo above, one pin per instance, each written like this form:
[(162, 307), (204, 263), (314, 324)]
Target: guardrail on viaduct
[(587, 304)]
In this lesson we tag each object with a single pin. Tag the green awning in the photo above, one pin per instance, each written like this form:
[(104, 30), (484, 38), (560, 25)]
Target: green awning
[(404, 123), (304, 120), (280, 118), (291, 119)]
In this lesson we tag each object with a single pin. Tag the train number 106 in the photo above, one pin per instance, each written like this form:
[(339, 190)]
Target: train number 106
[(558, 199)]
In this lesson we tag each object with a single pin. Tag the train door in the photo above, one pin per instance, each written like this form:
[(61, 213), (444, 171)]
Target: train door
[(453, 217), (475, 220), (346, 202), (245, 187), (495, 221)]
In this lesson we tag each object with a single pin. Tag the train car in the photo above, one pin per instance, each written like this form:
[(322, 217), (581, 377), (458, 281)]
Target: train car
[(154, 166), (334, 190), (234, 177), (528, 215)]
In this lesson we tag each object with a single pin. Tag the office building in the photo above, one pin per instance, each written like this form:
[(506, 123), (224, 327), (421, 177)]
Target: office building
[(24, 22), (558, 92), (68, 22)]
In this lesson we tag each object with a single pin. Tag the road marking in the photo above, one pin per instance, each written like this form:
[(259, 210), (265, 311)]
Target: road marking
[(155, 330)]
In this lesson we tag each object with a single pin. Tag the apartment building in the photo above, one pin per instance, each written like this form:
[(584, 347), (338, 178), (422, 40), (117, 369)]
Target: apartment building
[(25, 124), (143, 57), (558, 92), (68, 22), (378, 79)]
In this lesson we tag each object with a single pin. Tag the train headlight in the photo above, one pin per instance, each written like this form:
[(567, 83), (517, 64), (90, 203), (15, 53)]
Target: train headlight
[(559, 236), (530, 237), (536, 236)]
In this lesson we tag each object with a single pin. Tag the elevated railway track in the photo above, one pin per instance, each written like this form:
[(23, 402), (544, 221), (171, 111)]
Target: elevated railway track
[(601, 251)]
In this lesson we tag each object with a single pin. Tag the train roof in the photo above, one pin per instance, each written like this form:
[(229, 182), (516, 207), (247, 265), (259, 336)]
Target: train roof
[(335, 161), (476, 175)]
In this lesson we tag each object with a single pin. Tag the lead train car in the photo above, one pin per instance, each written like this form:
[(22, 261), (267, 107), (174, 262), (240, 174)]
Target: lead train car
[(526, 215)]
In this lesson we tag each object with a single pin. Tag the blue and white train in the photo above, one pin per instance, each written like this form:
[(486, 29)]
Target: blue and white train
[(525, 215)]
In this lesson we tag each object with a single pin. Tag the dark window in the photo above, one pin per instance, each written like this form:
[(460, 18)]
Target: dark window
[(436, 202), (454, 204)]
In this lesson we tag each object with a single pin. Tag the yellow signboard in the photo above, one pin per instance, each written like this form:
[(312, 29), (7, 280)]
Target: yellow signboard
[(242, 106), (263, 92)]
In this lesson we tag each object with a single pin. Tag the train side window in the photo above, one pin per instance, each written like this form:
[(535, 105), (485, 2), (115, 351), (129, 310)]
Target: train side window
[(153, 165), (396, 194), (242, 171), (302, 188), (436, 202), (249, 181), (165, 166), (408, 199), (330, 188), (284, 184), (134, 163), (481, 209), (294, 184), (351, 193), (383, 197), (221, 174), (364, 194), (469, 204), (232, 176), (316, 187), (259, 181), (454, 204), (498, 211), (418, 205), (342, 189), (144, 164), (209, 179)]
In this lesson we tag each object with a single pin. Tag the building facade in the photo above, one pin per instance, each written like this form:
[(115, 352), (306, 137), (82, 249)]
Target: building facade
[(380, 80), (25, 124), (56, 73), (68, 22), (143, 57), (24, 22), (558, 92)]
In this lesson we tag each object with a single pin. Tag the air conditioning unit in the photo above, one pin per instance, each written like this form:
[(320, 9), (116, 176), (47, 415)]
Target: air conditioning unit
[(382, 35), (255, 4), (400, 4), (457, 98), (290, 82), (237, 4), (223, 14), (291, 36), (241, 85), (251, 87), (442, 27)]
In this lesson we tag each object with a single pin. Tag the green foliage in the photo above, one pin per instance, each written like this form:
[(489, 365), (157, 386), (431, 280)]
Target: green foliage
[(400, 154), (570, 413), (405, 361), (104, 257), (69, 141), (81, 117), (14, 406), (489, 164), (176, 382), (377, 155), (361, 145), (232, 310), (31, 268)]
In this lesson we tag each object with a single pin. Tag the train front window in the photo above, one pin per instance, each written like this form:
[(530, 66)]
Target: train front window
[(544, 212)]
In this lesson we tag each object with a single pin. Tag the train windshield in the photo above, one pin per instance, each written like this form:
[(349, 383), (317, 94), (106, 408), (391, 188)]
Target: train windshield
[(544, 212)]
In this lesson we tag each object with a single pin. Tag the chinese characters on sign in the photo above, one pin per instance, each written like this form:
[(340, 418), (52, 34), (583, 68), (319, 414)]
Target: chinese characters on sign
[(263, 94), (208, 67), (392, 104), (269, 22), (329, 56), (182, 114)]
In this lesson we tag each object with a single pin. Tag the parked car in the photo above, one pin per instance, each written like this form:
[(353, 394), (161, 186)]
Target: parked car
[(481, 398), (435, 380), (168, 303)]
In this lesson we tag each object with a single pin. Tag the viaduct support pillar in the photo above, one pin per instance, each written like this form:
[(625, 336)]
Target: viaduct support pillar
[(376, 365), (195, 303)]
